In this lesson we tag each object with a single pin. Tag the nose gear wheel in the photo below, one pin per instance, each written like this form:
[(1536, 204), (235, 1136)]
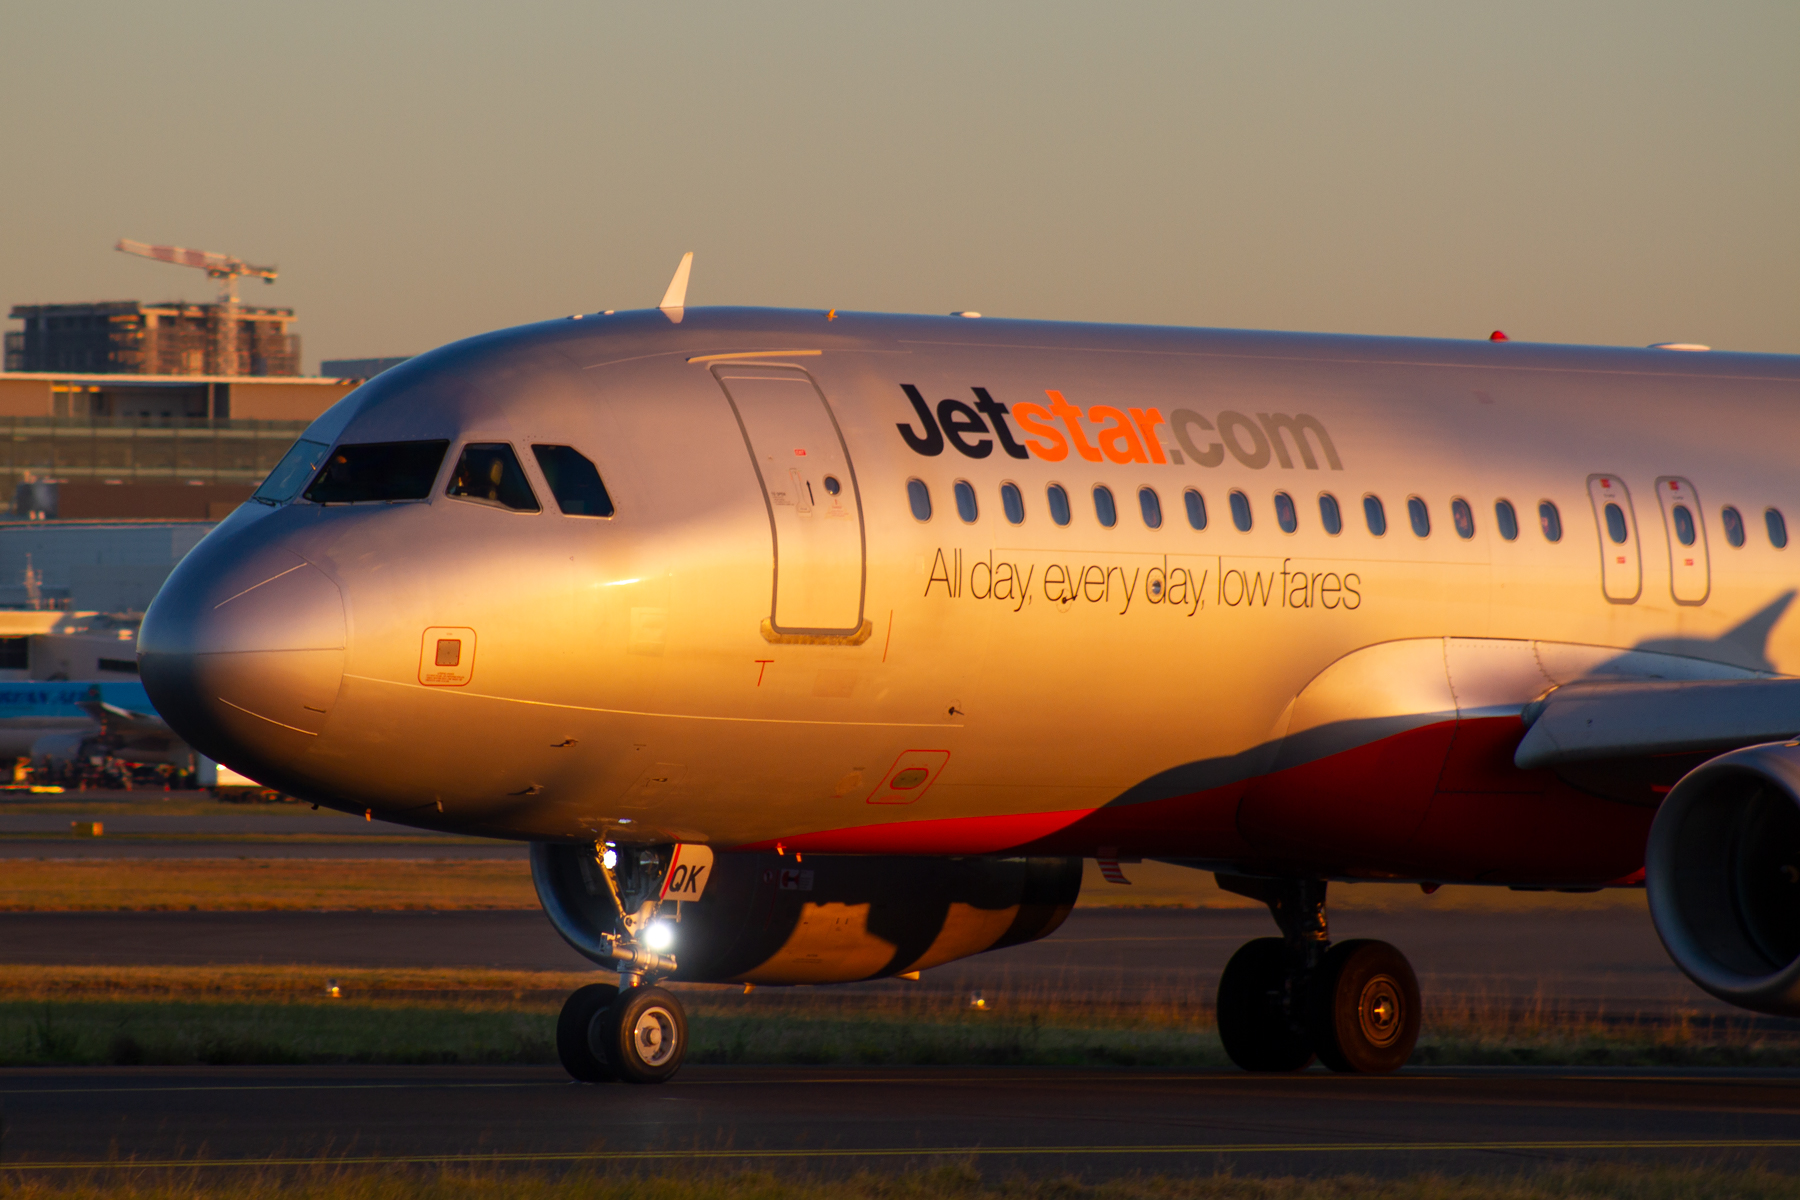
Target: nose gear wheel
[(643, 1036)]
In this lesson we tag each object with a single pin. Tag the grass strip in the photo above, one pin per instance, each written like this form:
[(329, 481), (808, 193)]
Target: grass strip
[(261, 885), (950, 1181), (284, 1015), (247, 884)]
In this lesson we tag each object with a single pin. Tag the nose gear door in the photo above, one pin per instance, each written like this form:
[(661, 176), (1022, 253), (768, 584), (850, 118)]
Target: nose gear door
[(1621, 568), (809, 487)]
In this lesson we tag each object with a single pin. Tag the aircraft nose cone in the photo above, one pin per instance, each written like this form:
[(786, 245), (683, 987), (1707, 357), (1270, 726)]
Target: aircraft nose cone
[(242, 654)]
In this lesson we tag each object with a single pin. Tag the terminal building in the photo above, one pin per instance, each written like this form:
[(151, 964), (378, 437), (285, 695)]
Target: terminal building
[(124, 411), (124, 437)]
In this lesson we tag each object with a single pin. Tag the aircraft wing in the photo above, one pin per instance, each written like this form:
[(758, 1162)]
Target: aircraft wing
[(1601, 719), (123, 722)]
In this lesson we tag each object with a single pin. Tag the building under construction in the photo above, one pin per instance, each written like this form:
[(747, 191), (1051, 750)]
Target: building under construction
[(151, 412), (127, 337)]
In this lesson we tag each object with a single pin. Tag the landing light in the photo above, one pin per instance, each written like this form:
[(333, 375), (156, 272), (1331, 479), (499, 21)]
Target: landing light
[(659, 936), (610, 859)]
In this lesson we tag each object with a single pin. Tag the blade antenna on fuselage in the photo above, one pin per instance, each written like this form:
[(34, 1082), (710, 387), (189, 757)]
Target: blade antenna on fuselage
[(675, 299)]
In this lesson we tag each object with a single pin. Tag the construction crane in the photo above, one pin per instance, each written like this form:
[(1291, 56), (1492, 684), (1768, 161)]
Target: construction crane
[(222, 267)]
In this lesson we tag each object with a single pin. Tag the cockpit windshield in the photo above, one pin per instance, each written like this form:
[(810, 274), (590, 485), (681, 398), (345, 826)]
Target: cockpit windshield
[(291, 473), (378, 471)]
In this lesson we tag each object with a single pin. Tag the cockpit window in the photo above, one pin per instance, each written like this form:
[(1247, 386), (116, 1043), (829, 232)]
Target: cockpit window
[(489, 473), (290, 474), (377, 471), (575, 482)]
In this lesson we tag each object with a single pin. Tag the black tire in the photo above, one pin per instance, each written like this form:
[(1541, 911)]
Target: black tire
[(1364, 1008), (1254, 1024), (572, 1046), (643, 1036)]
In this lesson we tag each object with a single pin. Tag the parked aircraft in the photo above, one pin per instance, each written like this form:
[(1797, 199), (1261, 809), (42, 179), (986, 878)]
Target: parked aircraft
[(810, 647), (60, 719)]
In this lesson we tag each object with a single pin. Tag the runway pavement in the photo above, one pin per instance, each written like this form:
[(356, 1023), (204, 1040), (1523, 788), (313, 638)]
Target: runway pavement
[(1092, 1123)]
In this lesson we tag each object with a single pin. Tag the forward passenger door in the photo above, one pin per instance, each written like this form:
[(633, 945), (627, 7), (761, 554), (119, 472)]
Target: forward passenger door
[(809, 487)]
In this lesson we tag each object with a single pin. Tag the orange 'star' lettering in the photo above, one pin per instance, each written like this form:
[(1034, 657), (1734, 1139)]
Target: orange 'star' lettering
[(1071, 418), (1045, 441), (1147, 419), (1117, 440)]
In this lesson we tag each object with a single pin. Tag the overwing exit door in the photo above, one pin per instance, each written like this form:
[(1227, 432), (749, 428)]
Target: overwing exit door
[(1621, 567), (815, 510), (1690, 570)]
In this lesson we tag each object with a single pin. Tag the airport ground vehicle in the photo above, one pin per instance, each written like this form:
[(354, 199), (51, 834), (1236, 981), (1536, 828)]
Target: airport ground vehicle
[(895, 619)]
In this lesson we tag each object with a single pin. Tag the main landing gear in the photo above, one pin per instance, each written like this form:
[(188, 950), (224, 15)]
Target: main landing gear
[(1355, 1005)]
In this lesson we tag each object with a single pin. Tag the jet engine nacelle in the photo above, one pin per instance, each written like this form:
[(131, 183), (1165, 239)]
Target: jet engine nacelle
[(1723, 872), (765, 918)]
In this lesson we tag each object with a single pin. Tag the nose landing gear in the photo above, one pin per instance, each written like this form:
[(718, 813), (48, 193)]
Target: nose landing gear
[(1283, 1000), (634, 1031)]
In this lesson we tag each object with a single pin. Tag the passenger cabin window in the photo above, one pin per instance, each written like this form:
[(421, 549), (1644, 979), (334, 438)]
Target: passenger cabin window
[(1375, 515), (1104, 511), (298, 465), (1013, 501), (1285, 516), (1196, 508), (1463, 517), (1329, 515), (1151, 506), (1734, 525), (574, 481), (378, 471), (1684, 524), (965, 502), (1550, 521), (1777, 528), (1419, 515), (1240, 511), (919, 497), (1058, 500), (1507, 519), (1615, 524), (489, 473)]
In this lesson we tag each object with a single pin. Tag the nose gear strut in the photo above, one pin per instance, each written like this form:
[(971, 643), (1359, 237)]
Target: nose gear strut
[(635, 1031)]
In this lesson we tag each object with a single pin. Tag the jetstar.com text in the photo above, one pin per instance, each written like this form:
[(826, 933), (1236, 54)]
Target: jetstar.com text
[(1122, 435)]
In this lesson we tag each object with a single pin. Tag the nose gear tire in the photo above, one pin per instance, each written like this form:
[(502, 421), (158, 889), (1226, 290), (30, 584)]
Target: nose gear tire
[(572, 1047), (1254, 1020), (1365, 1008), (643, 1036)]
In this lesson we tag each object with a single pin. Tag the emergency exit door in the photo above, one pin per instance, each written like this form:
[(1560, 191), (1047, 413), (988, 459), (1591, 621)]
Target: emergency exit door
[(815, 511), (1690, 571), (1621, 565)]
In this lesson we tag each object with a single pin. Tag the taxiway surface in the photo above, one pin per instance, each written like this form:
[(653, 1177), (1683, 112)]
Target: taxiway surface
[(1092, 1123)]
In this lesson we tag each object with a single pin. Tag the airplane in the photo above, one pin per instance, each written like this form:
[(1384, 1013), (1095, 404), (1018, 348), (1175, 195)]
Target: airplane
[(818, 646), (60, 719)]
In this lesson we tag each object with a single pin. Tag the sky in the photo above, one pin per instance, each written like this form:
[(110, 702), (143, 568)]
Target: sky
[(1616, 173)]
